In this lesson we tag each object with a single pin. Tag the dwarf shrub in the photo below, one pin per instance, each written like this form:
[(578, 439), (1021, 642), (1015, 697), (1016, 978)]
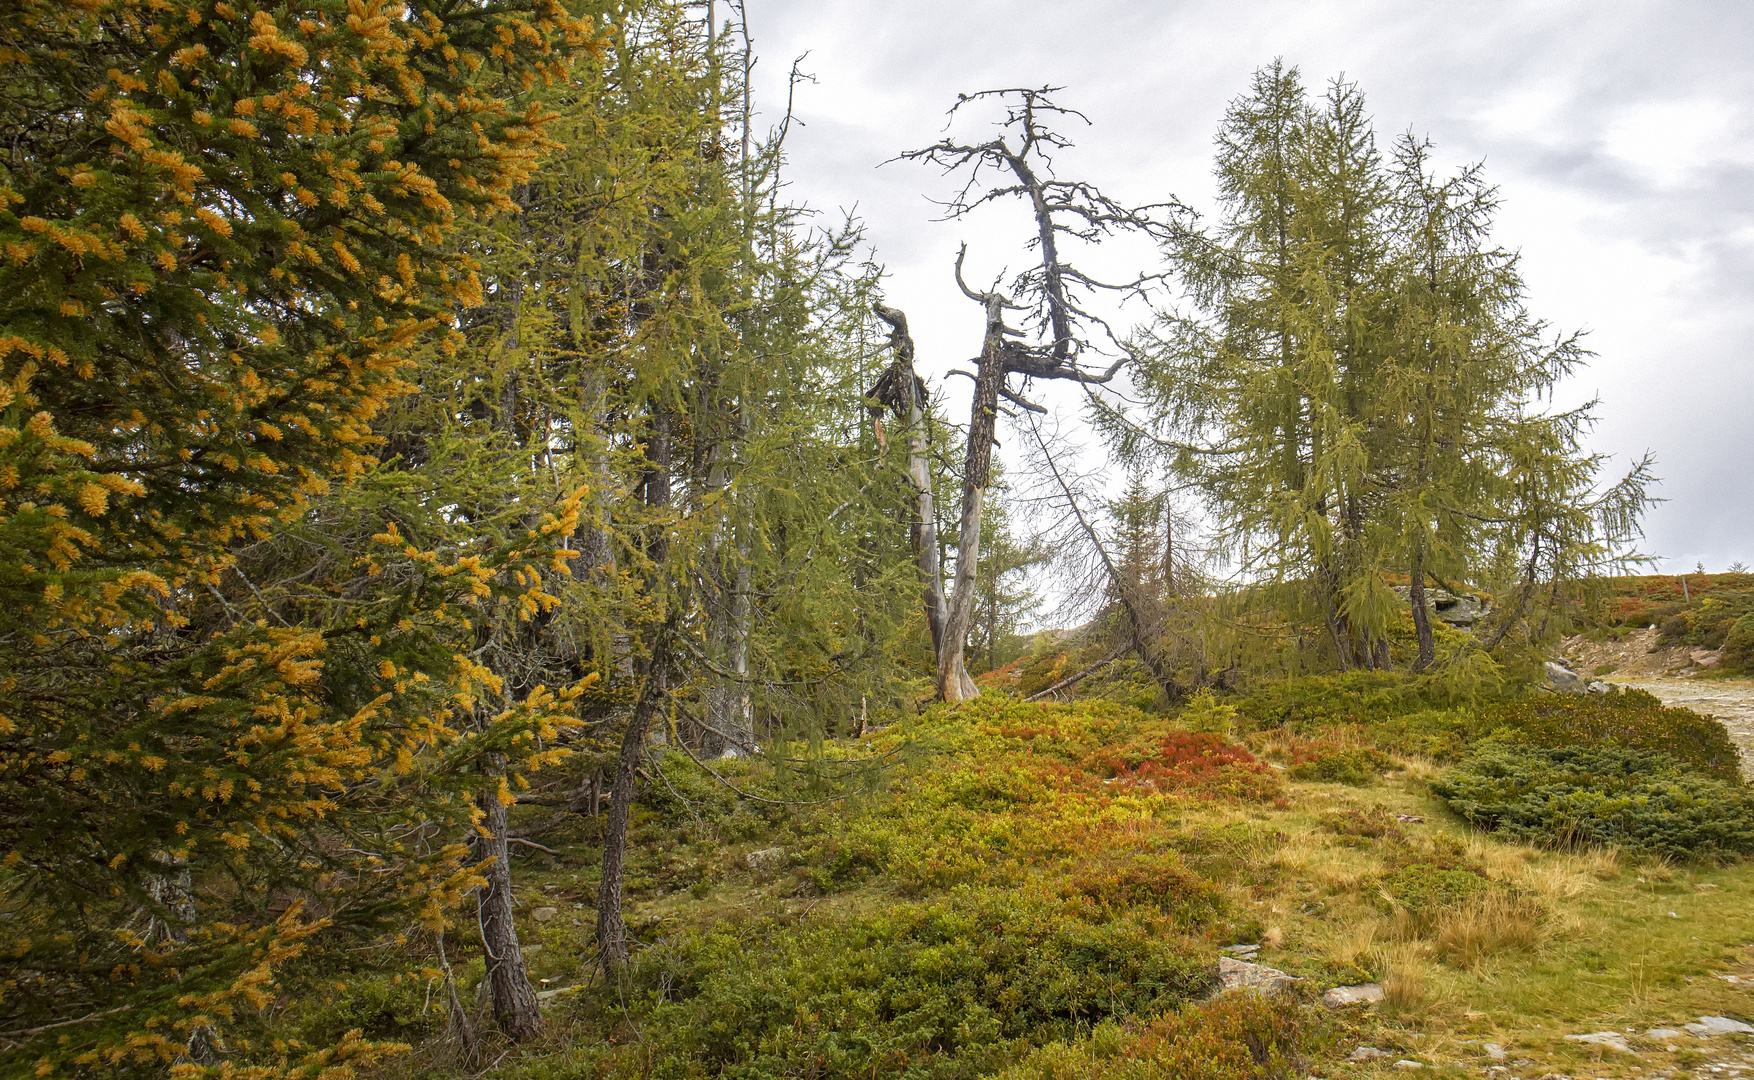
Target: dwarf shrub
[(1236, 1037), (942, 989), (1574, 795), (1629, 719), (1738, 654), (1338, 763)]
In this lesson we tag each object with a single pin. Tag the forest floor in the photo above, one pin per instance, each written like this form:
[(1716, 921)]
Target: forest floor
[(788, 941)]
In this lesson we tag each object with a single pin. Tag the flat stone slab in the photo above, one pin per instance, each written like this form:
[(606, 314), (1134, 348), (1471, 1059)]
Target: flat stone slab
[(1363, 994), (1409, 1063), (1604, 1038), (1494, 1051), (1709, 1026), (1663, 1033), (1367, 1053), (1234, 974), (1241, 952)]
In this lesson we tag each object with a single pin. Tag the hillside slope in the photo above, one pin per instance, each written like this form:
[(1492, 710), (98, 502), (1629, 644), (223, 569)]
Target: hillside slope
[(1045, 891)]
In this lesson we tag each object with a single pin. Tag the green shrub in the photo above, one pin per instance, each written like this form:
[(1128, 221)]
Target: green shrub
[(1573, 795), (1738, 646), (940, 989), (1338, 764), (1237, 1037), (1629, 719), (1424, 890), (1393, 711)]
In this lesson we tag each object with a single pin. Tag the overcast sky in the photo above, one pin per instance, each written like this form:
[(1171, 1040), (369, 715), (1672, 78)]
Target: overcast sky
[(1621, 136)]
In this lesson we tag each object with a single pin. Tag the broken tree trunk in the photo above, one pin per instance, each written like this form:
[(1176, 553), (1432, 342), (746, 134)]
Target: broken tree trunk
[(954, 683), (902, 390)]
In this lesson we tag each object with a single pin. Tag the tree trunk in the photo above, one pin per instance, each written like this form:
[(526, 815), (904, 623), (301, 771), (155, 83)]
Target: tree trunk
[(514, 1000), (954, 683), (903, 392), (1421, 616), (924, 533), (612, 943)]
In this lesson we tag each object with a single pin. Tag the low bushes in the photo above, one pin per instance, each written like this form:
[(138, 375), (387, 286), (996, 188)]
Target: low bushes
[(1611, 795), (1338, 762), (1629, 719), (939, 989), (1237, 1037), (1190, 762)]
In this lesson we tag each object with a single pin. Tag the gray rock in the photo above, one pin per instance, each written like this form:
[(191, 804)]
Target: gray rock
[(1719, 1025), (1663, 1033), (543, 914), (1562, 678), (1600, 687), (546, 997), (767, 860), (1242, 951), (1234, 974), (1341, 996), (1494, 1051), (1367, 1053), (1604, 1038)]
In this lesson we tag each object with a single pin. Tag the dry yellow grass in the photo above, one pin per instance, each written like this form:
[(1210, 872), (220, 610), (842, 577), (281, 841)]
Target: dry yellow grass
[(1489, 924)]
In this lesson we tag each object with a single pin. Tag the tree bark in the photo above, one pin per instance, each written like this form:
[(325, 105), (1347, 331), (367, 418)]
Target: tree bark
[(903, 392), (954, 683), (514, 1000), (1421, 616), (612, 942)]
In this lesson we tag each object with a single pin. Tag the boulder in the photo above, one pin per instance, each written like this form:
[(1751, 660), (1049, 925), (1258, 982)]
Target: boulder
[(767, 860), (1234, 974), (1563, 679), (543, 914), (1363, 994)]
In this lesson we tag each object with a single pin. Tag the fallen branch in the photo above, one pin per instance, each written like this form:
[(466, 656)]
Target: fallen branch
[(1063, 683)]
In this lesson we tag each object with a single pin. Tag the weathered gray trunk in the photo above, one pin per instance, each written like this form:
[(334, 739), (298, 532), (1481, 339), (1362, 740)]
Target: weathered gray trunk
[(954, 683), (514, 1000), (924, 534)]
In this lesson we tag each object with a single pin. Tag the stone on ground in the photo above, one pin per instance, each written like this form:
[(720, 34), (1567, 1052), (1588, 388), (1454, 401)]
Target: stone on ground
[(1341, 996), (1234, 974)]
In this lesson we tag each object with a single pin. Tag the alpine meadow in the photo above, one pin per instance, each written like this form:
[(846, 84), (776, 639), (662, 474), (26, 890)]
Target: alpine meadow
[(492, 584)]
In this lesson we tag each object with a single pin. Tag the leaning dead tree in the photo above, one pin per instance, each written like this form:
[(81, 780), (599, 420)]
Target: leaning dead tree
[(904, 392), (1057, 326)]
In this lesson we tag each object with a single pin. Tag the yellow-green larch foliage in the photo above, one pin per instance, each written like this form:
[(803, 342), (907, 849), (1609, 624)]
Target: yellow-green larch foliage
[(223, 233)]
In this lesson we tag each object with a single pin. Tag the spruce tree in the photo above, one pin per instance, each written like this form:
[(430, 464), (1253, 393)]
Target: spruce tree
[(225, 231)]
